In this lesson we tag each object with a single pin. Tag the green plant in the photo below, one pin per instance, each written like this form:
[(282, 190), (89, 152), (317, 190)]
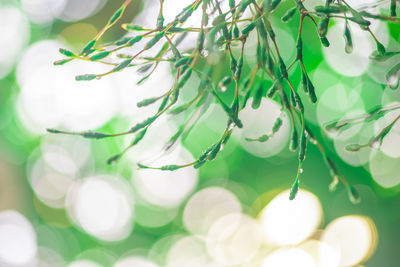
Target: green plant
[(221, 32)]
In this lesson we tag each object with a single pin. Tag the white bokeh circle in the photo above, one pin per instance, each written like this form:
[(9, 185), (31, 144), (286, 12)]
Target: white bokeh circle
[(289, 222), (102, 206)]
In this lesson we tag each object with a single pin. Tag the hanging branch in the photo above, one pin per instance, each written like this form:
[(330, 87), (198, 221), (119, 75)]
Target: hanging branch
[(220, 33)]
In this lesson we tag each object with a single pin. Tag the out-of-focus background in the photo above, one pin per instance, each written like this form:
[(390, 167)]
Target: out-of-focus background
[(61, 205)]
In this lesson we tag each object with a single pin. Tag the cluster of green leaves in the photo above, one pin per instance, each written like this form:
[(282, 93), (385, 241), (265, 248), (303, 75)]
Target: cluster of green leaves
[(222, 31)]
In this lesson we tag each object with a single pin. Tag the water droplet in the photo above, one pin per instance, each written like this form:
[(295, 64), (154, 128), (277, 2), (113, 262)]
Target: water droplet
[(301, 170), (393, 81), (348, 49), (376, 144), (313, 141)]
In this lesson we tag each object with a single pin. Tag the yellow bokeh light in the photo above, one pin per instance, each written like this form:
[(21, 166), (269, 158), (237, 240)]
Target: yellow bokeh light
[(355, 237)]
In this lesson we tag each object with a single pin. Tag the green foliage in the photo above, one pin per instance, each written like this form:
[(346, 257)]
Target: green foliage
[(225, 38)]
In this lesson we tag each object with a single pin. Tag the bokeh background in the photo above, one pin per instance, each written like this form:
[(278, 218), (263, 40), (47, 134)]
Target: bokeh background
[(61, 205)]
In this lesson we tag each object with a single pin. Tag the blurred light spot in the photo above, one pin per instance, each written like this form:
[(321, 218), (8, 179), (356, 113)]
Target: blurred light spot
[(244, 192), (390, 96), (102, 206), (323, 254), (391, 142), (285, 43), (14, 32), (101, 255), (43, 11), (148, 15), (234, 239), (289, 257), (171, 10), (165, 188), (384, 169), (52, 98), (206, 207), (80, 9), (362, 136), (60, 162), (215, 118), (129, 93), (354, 236), (49, 258), (255, 124), (84, 263), (152, 146), (337, 103), (153, 216), (357, 4), (188, 251), (51, 175), (258, 258), (378, 69), (310, 4), (17, 240), (357, 62), (39, 55), (206, 132), (77, 149), (159, 250), (287, 222), (323, 78), (77, 33), (38, 107), (135, 262)]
